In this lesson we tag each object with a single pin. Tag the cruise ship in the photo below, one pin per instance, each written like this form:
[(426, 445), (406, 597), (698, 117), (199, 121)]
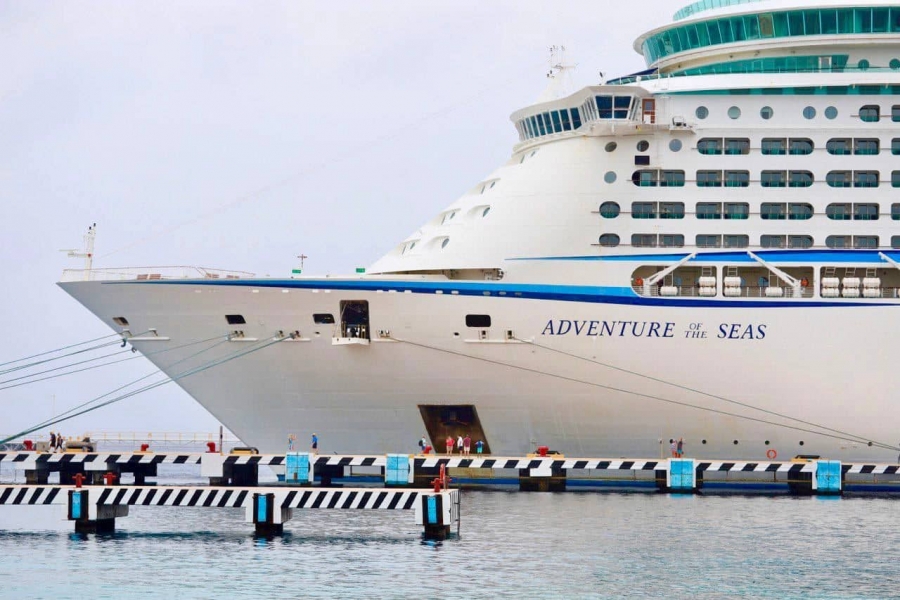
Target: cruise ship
[(708, 249)]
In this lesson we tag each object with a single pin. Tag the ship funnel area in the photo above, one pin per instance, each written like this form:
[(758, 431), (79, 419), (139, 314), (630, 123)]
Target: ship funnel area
[(452, 420), (559, 76)]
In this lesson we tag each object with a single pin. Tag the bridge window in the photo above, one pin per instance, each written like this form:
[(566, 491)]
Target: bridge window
[(643, 240), (870, 113), (773, 179), (643, 210), (709, 210), (800, 241), (838, 146), (773, 211), (737, 178), (772, 241), (800, 212), (671, 210), (866, 179), (737, 241), (609, 240), (865, 212), (709, 241), (801, 146), (839, 179), (774, 146), (737, 210), (865, 242), (609, 210), (866, 146), (838, 241), (709, 178)]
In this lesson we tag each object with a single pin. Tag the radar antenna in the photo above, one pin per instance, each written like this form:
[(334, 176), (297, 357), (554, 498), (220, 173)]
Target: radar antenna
[(559, 75)]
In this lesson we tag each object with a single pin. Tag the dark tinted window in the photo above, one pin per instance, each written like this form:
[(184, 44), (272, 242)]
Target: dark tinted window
[(323, 318), (478, 320), (235, 319)]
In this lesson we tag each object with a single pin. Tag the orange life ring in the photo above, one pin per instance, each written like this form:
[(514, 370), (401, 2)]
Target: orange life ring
[(804, 282), (638, 282), (771, 454)]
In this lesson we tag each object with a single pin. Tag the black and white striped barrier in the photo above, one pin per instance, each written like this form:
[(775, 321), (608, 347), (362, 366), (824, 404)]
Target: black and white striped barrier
[(95, 508)]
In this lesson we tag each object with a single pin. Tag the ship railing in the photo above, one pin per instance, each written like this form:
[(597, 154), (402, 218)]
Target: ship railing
[(159, 437), (151, 274), (690, 291)]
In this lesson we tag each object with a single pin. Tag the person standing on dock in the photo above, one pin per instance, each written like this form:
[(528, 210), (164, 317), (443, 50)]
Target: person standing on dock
[(467, 444), (52, 442), (449, 444), (422, 444), (60, 442), (459, 444), (315, 444), (673, 446), (680, 447), (479, 447), (291, 438)]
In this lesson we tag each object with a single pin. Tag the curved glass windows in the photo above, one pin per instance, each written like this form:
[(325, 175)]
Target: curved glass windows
[(734, 112), (865, 179), (609, 240), (839, 179), (737, 210), (863, 65), (773, 241), (709, 178), (809, 112), (554, 121), (710, 146), (644, 240), (774, 146), (800, 241), (800, 179), (839, 211), (801, 146), (865, 212), (675, 145), (839, 146), (737, 178), (800, 211), (831, 113), (612, 107), (709, 241), (773, 179), (702, 112), (767, 25), (838, 241), (643, 146), (709, 210), (773, 211), (766, 112), (656, 177), (611, 146), (671, 210), (610, 177), (609, 210), (866, 146), (870, 113)]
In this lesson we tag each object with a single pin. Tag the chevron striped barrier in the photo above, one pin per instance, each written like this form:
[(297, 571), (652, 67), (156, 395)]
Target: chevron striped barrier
[(94, 509)]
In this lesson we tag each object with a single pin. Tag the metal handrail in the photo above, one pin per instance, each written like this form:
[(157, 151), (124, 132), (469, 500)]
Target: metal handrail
[(151, 273)]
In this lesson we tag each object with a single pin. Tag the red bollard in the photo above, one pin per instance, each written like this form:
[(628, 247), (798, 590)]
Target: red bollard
[(543, 450), (145, 447), (210, 447), (79, 479), (29, 445), (109, 478)]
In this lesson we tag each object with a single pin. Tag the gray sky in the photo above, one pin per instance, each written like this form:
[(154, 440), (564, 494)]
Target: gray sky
[(239, 134)]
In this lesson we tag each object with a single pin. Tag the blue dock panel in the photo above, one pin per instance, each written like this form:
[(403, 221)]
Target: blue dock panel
[(75, 505), (681, 474), (296, 467), (432, 516), (828, 476), (396, 469), (261, 508)]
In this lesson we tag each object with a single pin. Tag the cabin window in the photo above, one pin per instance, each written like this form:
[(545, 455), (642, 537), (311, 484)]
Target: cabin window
[(800, 212), (709, 146), (831, 113), (838, 212), (800, 241), (671, 240), (671, 179), (611, 147), (235, 319), (645, 178), (709, 241), (866, 179), (643, 240), (838, 241), (478, 320), (735, 146), (866, 146), (702, 112), (773, 179), (675, 145), (671, 210), (865, 212), (643, 146), (895, 178), (737, 210), (609, 210), (737, 241), (609, 177), (801, 146), (839, 179), (865, 242), (895, 146), (323, 318), (734, 112), (609, 240), (766, 112), (773, 211), (772, 241), (643, 210), (709, 178), (774, 146), (870, 113), (895, 109), (709, 210), (737, 178), (839, 146), (895, 212), (809, 112), (895, 241)]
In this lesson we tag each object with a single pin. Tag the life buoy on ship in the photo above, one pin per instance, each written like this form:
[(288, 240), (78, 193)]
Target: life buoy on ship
[(771, 454), (804, 282), (639, 282)]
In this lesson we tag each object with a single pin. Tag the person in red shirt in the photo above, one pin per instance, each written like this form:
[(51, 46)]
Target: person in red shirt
[(450, 444), (467, 444)]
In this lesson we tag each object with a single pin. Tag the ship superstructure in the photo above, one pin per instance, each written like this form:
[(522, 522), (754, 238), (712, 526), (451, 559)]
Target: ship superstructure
[(707, 249)]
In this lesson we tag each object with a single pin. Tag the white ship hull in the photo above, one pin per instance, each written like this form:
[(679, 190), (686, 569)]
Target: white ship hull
[(826, 365)]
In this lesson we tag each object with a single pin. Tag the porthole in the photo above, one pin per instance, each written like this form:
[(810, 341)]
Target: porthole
[(445, 242), (831, 112), (767, 442), (801, 442), (734, 112), (894, 64), (870, 444), (766, 112), (484, 213), (609, 210), (610, 177), (675, 145), (643, 146), (863, 65), (735, 442), (702, 112), (609, 240), (703, 442), (610, 147), (809, 112)]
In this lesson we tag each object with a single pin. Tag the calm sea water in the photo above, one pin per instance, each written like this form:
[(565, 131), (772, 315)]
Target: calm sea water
[(528, 545)]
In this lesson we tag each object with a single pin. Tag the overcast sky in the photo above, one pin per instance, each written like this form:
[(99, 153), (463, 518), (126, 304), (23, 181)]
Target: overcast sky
[(238, 135)]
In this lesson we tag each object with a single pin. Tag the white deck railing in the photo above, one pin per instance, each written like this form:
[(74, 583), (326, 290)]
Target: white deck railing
[(150, 273)]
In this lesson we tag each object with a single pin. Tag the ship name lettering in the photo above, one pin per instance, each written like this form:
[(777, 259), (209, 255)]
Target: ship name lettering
[(739, 331), (610, 328)]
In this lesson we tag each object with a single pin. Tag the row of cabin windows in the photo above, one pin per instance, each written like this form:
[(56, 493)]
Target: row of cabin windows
[(772, 211), (794, 146), (771, 179), (676, 240), (554, 121)]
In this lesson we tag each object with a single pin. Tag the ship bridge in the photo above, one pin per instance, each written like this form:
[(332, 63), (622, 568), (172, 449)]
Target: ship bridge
[(754, 36)]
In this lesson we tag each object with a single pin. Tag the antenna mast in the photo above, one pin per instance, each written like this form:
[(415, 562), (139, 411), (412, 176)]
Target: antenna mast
[(88, 253)]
